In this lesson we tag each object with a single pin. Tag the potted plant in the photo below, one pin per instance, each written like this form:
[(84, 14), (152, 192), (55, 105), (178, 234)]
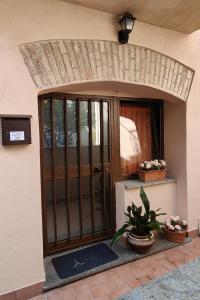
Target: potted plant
[(152, 170), (175, 229), (139, 226)]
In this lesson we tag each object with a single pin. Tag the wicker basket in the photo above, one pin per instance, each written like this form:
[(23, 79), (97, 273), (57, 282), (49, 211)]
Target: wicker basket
[(175, 236), (153, 175)]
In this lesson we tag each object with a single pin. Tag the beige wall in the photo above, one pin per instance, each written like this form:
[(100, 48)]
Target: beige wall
[(21, 257), (175, 151), (160, 196)]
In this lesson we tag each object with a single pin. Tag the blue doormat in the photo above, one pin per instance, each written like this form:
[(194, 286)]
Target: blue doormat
[(182, 283), (83, 260)]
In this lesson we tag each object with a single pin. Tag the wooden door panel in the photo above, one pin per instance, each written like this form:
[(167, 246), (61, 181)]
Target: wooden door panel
[(73, 172)]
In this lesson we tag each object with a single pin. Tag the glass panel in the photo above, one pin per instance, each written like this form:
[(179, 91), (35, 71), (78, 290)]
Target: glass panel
[(84, 132), (59, 133), (74, 207), (46, 116), (135, 137), (84, 123), (61, 210), (86, 205), (72, 132), (98, 209), (49, 212), (71, 123), (105, 131), (108, 202), (96, 123), (96, 132)]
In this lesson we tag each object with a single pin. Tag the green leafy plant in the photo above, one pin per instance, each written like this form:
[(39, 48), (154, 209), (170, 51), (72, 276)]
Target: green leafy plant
[(139, 223)]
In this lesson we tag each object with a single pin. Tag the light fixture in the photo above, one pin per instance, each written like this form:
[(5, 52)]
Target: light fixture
[(126, 23)]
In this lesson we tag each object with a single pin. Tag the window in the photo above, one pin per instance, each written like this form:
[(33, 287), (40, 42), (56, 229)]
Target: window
[(141, 134)]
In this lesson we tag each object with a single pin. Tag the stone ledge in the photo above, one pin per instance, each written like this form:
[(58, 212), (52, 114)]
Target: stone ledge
[(136, 183)]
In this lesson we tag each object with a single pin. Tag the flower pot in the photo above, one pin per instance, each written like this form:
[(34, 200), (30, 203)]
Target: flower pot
[(152, 175), (175, 236), (141, 244)]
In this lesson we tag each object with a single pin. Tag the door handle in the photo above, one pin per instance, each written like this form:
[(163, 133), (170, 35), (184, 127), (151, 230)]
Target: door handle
[(98, 169)]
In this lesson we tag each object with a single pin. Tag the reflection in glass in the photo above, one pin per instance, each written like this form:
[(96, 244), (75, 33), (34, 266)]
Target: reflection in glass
[(105, 122), (95, 106), (84, 127), (59, 133), (129, 141), (84, 132), (105, 131), (130, 149), (72, 123), (96, 123), (46, 116), (72, 130)]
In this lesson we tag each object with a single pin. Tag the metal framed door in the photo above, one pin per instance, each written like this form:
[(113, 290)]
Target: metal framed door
[(76, 165)]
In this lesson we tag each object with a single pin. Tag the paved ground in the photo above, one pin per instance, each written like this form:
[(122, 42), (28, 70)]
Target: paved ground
[(113, 283)]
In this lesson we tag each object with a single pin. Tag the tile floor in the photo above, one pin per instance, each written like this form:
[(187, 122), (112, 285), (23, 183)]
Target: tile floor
[(115, 282)]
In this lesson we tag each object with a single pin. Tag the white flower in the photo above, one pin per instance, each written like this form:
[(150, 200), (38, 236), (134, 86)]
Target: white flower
[(175, 218), (142, 165), (168, 221), (156, 161), (163, 163), (184, 222), (171, 217), (177, 227), (171, 227), (148, 166)]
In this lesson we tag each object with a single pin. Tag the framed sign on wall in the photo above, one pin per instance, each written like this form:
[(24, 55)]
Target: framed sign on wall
[(16, 130)]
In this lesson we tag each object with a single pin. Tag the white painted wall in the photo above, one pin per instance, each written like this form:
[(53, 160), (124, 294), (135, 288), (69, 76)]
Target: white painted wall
[(21, 256)]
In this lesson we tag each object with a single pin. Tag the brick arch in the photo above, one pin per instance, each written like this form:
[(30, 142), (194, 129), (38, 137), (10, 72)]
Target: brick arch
[(54, 63)]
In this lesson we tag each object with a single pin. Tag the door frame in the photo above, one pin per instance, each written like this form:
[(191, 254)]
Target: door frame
[(60, 246)]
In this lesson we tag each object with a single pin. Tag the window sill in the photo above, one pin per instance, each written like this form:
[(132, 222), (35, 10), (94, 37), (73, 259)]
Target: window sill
[(136, 183)]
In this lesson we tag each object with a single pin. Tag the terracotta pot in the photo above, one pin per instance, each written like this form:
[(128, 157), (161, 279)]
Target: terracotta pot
[(175, 236), (141, 244), (153, 175)]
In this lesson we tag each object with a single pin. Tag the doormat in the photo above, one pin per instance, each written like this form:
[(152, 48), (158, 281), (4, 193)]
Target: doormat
[(83, 260), (182, 283)]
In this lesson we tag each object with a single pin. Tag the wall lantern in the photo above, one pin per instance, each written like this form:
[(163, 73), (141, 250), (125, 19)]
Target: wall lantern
[(126, 23)]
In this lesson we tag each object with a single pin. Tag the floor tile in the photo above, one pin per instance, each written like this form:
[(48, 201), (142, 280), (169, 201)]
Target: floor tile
[(115, 282), (68, 293), (54, 295), (119, 292)]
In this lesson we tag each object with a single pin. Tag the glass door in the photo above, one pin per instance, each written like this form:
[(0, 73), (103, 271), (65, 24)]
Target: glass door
[(76, 171)]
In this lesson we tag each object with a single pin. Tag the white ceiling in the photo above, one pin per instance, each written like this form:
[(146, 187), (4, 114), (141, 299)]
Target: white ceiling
[(179, 15)]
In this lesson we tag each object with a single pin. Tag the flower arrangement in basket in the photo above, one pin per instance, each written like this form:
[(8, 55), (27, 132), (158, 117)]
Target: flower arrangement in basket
[(175, 229), (152, 170)]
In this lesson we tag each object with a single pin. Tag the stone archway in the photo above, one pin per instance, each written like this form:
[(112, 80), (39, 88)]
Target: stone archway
[(55, 63)]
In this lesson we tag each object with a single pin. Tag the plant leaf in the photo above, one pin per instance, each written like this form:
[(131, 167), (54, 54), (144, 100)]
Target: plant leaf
[(161, 214), (119, 233), (145, 200)]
